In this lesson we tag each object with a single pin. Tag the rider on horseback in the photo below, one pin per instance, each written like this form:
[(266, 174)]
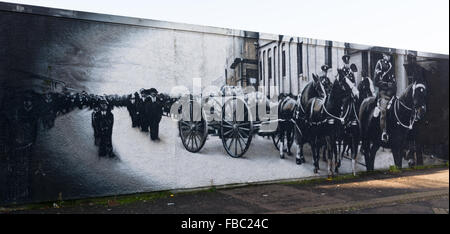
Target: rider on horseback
[(324, 79), (365, 86), (386, 83), (347, 70)]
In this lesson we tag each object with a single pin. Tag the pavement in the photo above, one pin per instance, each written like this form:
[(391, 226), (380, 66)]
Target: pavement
[(424, 191)]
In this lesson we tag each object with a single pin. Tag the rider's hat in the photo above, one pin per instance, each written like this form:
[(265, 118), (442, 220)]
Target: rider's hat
[(346, 58), (152, 90), (325, 67)]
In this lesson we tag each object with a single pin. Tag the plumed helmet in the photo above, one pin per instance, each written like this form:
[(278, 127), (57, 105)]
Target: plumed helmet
[(346, 58), (353, 67)]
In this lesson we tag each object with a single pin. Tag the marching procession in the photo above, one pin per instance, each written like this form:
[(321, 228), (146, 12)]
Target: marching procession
[(24, 114)]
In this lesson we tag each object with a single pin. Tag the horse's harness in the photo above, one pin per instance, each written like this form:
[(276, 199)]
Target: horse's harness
[(397, 102), (343, 117), (291, 120), (353, 122), (330, 117)]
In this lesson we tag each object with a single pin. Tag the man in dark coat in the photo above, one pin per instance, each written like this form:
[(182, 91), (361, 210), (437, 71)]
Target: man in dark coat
[(132, 107), (80, 100), (348, 69), (143, 116), (103, 121), (94, 120), (137, 106), (48, 111), (68, 102), (154, 112), (387, 88), (365, 86), (327, 85), (23, 131)]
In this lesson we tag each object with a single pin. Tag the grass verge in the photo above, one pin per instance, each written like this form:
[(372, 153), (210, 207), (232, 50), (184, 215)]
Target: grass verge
[(151, 196)]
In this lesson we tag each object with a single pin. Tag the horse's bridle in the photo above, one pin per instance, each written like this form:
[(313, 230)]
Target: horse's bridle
[(413, 117), (341, 118), (415, 86)]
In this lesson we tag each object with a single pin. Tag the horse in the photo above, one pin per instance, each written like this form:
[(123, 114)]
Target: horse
[(319, 120), (416, 140), (401, 115), (317, 88), (348, 133), (366, 90), (350, 136), (286, 125)]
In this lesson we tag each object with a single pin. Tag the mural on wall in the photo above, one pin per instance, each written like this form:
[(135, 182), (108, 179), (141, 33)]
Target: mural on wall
[(94, 106)]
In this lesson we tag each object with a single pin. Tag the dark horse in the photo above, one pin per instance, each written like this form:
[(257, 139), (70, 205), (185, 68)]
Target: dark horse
[(286, 124), (366, 90), (288, 109), (318, 120), (350, 133), (314, 89), (401, 115)]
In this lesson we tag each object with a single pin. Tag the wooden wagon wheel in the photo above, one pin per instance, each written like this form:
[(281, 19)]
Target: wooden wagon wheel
[(236, 128), (276, 140), (193, 128)]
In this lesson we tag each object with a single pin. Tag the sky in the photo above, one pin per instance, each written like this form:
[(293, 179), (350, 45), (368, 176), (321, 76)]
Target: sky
[(421, 25)]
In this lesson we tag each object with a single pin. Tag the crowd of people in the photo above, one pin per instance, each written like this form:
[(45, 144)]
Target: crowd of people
[(23, 114), (146, 110)]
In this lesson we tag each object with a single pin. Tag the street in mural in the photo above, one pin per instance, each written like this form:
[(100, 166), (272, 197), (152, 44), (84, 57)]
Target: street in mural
[(95, 108)]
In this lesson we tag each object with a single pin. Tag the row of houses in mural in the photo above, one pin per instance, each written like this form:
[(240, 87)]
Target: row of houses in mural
[(286, 64)]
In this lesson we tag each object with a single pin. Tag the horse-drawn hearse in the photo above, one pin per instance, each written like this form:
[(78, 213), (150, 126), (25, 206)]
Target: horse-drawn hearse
[(325, 115), (232, 115)]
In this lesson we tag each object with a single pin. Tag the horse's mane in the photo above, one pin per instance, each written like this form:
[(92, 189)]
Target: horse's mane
[(307, 89), (406, 93), (335, 85)]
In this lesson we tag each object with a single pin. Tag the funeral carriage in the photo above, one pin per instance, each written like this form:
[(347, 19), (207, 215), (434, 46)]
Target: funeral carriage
[(230, 114)]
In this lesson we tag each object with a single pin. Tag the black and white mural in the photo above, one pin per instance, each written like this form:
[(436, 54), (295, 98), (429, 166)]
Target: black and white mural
[(97, 105)]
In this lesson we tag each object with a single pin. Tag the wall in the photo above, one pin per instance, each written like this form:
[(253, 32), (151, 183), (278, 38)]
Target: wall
[(67, 52)]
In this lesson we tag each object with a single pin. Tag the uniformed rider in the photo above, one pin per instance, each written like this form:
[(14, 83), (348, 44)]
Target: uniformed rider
[(347, 70), (387, 87), (324, 79)]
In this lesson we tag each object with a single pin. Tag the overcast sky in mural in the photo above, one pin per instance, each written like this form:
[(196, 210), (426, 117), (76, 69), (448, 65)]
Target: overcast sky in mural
[(413, 24)]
